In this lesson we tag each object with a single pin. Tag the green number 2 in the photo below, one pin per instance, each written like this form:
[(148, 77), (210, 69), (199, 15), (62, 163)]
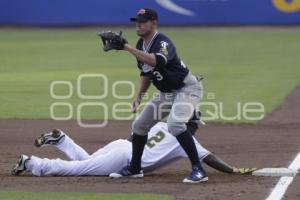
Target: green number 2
[(155, 139)]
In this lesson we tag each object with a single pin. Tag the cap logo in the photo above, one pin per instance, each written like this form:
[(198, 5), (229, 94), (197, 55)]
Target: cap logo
[(141, 12)]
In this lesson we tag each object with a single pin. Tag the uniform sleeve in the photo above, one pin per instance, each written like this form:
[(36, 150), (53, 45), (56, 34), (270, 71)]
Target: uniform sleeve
[(164, 51)]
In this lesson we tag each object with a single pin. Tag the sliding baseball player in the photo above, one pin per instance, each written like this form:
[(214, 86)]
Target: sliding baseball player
[(161, 149)]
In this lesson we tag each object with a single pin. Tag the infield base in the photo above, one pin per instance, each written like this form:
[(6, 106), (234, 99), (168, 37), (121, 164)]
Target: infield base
[(275, 172)]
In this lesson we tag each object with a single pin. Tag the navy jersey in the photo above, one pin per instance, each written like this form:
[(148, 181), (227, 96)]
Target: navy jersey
[(170, 71)]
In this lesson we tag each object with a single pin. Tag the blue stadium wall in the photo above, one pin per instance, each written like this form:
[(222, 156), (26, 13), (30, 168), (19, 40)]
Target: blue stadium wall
[(171, 12)]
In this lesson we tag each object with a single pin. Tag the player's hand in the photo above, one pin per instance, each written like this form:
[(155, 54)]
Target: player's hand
[(127, 47), (135, 105)]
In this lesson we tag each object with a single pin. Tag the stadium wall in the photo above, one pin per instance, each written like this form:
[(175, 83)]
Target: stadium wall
[(171, 12)]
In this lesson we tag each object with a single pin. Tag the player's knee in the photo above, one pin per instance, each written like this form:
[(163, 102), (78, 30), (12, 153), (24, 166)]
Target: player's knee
[(175, 128), (139, 128)]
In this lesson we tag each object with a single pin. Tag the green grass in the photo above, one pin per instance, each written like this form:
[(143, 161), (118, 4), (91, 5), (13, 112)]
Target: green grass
[(237, 66), (79, 196)]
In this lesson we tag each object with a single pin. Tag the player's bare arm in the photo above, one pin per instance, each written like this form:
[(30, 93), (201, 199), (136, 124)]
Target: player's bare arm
[(147, 58), (144, 85)]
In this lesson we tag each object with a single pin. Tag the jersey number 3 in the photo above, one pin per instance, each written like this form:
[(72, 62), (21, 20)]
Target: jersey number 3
[(158, 76), (155, 139)]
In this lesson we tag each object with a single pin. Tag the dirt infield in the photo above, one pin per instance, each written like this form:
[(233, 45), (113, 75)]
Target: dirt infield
[(274, 142)]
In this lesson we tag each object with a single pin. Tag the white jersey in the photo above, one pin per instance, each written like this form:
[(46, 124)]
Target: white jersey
[(161, 149)]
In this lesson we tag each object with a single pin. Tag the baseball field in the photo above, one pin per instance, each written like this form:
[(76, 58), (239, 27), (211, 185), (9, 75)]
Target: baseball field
[(251, 103)]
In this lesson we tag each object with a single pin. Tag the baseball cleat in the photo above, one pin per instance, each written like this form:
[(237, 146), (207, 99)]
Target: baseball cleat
[(196, 176), (243, 170), (51, 138), (20, 166), (125, 172)]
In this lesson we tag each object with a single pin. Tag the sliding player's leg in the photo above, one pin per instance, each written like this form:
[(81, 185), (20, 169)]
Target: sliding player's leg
[(103, 164), (57, 138)]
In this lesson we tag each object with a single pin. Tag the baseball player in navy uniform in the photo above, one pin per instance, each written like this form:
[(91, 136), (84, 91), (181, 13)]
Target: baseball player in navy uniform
[(179, 92)]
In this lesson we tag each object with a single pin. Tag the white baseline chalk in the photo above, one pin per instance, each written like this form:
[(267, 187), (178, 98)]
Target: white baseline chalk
[(284, 182)]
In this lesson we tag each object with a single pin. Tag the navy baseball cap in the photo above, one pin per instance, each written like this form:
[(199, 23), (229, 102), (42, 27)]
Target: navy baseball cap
[(144, 15)]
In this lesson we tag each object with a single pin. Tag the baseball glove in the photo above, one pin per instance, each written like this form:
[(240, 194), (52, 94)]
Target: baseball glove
[(243, 170), (112, 40)]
